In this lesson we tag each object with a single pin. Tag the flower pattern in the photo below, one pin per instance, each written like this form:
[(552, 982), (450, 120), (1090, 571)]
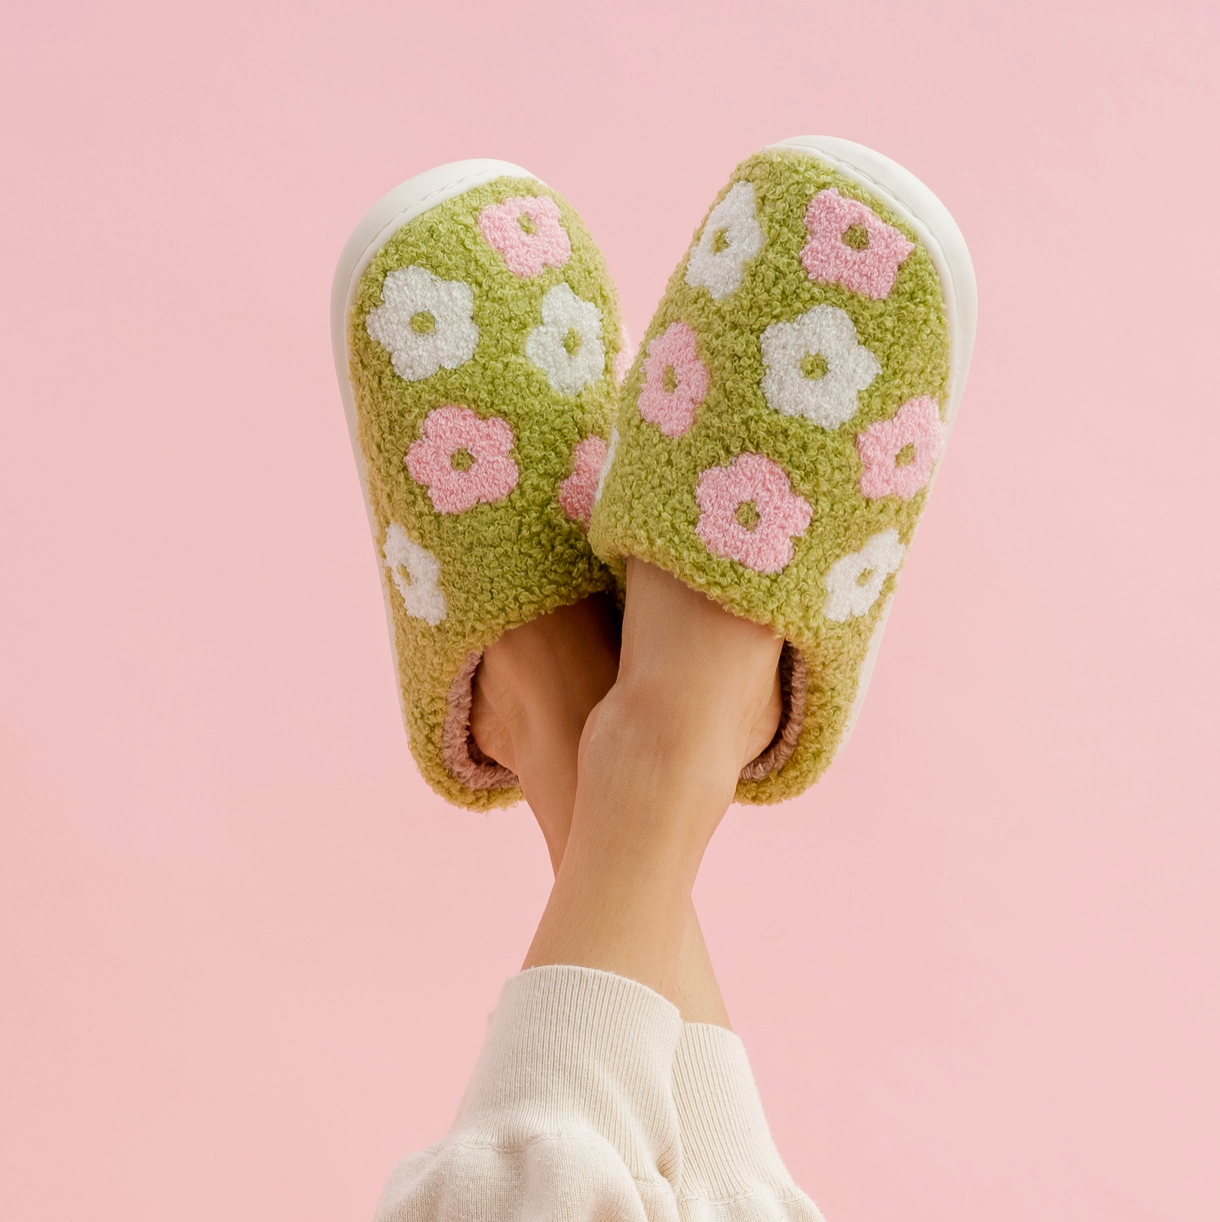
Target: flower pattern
[(750, 513), (815, 367), (568, 346), (675, 380), (527, 232), (424, 322), (848, 595), (731, 237), (578, 492), (416, 572), (849, 244), (916, 424), (462, 459)]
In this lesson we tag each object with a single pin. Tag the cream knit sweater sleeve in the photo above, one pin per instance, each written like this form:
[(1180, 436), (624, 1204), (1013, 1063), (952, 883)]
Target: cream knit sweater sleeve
[(592, 1102), (731, 1170)]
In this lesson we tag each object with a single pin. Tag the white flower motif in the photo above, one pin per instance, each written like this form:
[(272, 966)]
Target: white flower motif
[(731, 237), (875, 561), (424, 322), (568, 346), (421, 595), (611, 451), (815, 367)]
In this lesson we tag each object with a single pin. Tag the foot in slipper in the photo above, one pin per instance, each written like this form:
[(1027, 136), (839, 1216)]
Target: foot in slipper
[(476, 334), (782, 424)]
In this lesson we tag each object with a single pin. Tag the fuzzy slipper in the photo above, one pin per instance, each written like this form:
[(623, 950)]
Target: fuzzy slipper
[(782, 423), (476, 333)]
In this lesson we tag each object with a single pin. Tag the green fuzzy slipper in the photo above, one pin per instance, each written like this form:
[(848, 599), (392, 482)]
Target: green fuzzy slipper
[(476, 334), (780, 428)]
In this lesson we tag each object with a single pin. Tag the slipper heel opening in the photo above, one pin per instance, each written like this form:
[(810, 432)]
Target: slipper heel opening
[(460, 753), (794, 694)]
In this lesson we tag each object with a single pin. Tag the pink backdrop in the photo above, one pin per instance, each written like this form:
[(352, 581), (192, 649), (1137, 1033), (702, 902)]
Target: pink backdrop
[(246, 956)]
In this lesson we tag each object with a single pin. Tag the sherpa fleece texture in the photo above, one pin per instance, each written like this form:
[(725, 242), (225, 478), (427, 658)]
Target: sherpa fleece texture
[(474, 537), (688, 502)]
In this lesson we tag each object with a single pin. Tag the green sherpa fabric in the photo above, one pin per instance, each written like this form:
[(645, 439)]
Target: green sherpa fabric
[(500, 563), (648, 503)]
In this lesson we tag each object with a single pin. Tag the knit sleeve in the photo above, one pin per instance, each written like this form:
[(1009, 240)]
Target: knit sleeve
[(731, 1170), (569, 1115)]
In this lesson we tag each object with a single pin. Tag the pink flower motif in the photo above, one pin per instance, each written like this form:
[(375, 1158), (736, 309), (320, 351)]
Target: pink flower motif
[(750, 513), (578, 492), (852, 246), (675, 381), (482, 471), (527, 232), (915, 424)]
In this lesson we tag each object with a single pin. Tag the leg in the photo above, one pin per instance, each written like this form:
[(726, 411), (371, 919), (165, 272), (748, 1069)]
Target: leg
[(696, 993), (533, 695), (572, 1052), (697, 697)]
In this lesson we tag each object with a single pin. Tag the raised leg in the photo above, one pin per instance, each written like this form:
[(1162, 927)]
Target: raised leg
[(697, 697), (538, 684)]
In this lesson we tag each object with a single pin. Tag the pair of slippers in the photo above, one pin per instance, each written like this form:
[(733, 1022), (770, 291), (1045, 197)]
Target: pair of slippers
[(772, 444)]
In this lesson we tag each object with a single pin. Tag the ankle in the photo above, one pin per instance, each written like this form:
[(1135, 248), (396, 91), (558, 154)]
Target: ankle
[(726, 720), (661, 753)]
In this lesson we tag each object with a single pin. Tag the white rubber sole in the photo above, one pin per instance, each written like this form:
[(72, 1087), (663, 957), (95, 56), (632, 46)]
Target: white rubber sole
[(900, 190), (379, 224)]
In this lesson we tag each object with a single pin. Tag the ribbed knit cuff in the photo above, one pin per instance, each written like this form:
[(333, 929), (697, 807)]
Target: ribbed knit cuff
[(576, 1049), (727, 1151)]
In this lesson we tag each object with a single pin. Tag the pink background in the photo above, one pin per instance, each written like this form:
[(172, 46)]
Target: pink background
[(246, 956)]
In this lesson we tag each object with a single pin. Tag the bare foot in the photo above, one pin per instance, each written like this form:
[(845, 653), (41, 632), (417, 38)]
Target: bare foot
[(533, 692)]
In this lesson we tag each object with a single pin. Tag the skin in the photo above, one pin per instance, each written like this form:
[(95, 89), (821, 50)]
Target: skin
[(629, 756)]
